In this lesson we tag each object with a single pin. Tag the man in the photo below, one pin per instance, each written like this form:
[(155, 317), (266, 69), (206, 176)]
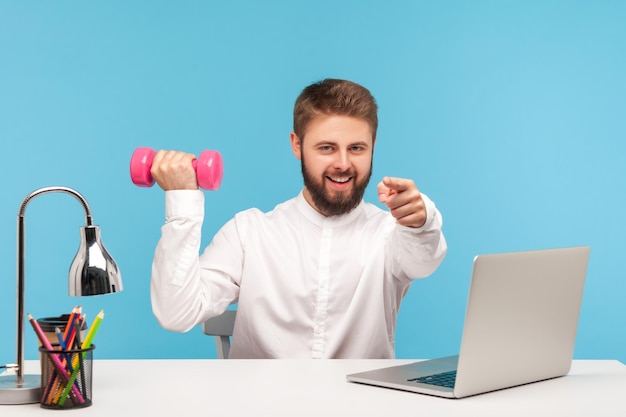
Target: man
[(321, 275)]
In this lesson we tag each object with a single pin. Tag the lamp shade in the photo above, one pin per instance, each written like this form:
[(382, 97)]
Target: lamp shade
[(93, 270)]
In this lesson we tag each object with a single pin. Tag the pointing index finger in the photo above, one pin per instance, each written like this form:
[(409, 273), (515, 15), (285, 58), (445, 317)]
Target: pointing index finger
[(396, 184)]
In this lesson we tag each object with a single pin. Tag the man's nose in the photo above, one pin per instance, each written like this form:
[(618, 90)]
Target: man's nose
[(342, 161)]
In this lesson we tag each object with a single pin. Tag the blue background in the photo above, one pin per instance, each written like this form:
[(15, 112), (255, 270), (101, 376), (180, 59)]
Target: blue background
[(508, 114)]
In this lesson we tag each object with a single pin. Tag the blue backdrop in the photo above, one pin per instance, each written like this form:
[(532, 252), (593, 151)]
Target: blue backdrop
[(508, 114)]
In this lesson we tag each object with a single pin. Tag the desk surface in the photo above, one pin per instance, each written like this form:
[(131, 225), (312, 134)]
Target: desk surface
[(319, 388)]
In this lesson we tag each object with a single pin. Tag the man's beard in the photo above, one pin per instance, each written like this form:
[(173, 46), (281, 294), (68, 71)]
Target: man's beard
[(341, 203)]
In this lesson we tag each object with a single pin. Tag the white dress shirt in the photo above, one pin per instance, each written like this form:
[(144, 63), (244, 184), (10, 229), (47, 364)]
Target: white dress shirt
[(306, 285)]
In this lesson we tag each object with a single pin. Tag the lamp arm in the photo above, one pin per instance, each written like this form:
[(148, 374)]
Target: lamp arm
[(58, 189), (20, 264)]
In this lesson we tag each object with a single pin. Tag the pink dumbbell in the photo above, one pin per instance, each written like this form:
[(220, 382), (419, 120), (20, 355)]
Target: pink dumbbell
[(209, 168)]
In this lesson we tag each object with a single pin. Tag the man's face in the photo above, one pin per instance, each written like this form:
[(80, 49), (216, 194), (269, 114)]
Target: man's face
[(336, 160)]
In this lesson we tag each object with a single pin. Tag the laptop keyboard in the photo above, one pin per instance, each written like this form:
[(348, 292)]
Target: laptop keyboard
[(444, 379)]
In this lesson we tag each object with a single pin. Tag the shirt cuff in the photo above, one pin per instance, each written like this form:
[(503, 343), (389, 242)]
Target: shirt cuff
[(184, 203)]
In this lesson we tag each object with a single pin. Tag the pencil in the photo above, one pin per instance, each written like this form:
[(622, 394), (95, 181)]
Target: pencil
[(93, 330), (71, 326), (68, 326), (62, 345), (78, 345), (57, 331)]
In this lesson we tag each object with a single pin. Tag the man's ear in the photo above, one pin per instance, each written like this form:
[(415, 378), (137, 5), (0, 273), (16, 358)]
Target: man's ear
[(296, 145)]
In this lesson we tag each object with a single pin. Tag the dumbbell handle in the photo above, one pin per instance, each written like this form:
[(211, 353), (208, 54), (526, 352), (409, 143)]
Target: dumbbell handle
[(209, 168)]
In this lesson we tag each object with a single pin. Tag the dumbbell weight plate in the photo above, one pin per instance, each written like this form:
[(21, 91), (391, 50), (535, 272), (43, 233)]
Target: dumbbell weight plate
[(209, 170), (140, 164)]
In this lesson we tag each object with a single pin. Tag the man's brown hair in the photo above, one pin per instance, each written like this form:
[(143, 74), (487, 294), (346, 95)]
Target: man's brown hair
[(334, 97)]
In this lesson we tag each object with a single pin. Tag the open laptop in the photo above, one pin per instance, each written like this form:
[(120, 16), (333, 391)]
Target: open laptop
[(520, 327)]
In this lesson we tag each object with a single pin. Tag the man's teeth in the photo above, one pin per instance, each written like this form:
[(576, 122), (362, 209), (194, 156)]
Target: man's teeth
[(340, 179)]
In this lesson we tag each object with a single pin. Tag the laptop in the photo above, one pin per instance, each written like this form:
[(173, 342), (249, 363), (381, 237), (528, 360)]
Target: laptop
[(520, 327)]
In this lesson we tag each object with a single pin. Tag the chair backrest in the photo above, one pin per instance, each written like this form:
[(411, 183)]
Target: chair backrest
[(222, 328)]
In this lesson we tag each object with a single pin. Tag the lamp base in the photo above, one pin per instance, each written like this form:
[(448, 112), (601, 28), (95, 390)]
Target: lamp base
[(28, 392)]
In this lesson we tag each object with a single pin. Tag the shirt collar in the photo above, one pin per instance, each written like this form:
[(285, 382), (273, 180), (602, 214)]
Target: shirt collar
[(319, 219)]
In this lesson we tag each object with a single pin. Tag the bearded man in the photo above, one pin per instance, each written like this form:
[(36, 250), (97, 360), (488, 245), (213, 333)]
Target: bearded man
[(321, 275)]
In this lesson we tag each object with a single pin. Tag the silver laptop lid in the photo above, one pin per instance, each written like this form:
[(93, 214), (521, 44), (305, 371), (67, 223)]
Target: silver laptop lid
[(521, 319)]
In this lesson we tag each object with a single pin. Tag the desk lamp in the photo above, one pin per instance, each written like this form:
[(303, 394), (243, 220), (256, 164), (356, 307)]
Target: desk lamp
[(92, 272)]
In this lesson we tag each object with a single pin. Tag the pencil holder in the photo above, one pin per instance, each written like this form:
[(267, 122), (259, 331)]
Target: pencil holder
[(66, 378)]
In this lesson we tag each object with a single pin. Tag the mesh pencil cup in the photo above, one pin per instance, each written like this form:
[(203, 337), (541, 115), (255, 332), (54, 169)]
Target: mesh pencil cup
[(66, 377)]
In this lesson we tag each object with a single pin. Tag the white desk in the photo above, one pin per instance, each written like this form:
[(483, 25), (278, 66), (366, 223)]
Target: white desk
[(297, 388)]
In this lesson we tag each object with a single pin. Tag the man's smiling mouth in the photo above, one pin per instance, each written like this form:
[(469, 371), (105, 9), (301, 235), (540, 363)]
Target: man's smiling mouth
[(340, 180)]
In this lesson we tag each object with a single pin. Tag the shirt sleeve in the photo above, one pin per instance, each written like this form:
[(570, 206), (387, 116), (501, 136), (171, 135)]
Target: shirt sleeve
[(182, 293), (417, 252)]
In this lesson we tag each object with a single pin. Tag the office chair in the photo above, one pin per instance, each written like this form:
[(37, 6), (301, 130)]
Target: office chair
[(222, 328)]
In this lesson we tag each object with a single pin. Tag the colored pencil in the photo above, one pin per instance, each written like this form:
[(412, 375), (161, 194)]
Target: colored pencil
[(71, 327), (63, 346), (57, 331), (91, 333), (68, 326), (78, 345)]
